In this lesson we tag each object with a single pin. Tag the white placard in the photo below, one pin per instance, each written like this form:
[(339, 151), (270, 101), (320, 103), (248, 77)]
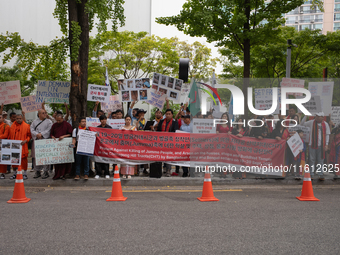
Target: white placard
[(306, 131), (325, 91), (10, 152), (335, 115), (113, 105), (295, 144), (98, 93), (53, 151), (264, 99), (203, 126), (10, 92), (170, 86), (53, 92), (313, 105), (86, 142), (292, 83)]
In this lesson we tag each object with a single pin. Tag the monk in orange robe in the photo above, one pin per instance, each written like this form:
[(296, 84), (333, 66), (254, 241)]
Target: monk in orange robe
[(4, 133), (20, 130)]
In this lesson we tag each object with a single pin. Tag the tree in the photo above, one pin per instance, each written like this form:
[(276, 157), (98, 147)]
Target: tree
[(76, 19), (237, 24)]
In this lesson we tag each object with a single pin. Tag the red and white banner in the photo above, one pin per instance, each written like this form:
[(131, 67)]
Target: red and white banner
[(163, 146)]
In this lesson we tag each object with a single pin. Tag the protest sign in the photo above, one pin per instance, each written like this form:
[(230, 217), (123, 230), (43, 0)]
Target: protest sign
[(98, 93), (335, 115), (264, 99), (292, 83), (185, 92), (156, 99), (10, 152), (134, 89), (10, 92), (325, 91), (306, 131), (170, 86), (164, 146), (86, 142), (114, 123), (313, 105), (53, 151), (203, 126), (53, 92), (29, 104), (113, 105), (295, 144)]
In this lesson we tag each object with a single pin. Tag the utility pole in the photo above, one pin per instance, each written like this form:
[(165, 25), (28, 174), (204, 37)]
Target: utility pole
[(289, 58)]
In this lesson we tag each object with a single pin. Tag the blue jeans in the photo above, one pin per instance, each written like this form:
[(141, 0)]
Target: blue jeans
[(85, 160), (315, 159)]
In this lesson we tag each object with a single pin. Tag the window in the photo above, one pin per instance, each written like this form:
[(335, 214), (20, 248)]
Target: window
[(336, 26), (317, 26), (336, 16), (302, 27), (306, 18), (337, 8), (292, 20)]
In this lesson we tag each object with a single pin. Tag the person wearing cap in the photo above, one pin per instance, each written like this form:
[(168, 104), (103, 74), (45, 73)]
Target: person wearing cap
[(21, 131), (318, 143), (140, 124), (4, 115), (4, 133)]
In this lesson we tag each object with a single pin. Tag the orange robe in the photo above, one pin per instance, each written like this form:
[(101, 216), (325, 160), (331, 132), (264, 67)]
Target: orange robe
[(4, 133), (21, 132)]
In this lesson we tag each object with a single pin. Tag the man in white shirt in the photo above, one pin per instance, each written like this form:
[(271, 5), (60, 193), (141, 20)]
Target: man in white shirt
[(318, 143)]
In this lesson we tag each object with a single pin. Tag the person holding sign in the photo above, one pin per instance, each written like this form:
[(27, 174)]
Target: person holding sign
[(141, 120), (60, 130), (125, 169), (4, 133), (40, 129), (20, 130), (318, 142), (79, 157)]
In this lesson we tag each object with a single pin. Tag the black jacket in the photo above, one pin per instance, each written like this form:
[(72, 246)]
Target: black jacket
[(173, 127)]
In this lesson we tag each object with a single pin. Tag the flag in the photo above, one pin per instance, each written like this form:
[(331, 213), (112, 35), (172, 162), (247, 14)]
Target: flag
[(107, 82), (231, 108), (214, 105), (194, 102)]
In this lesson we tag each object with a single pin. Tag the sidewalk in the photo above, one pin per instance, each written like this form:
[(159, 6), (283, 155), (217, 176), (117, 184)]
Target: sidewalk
[(164, 181)]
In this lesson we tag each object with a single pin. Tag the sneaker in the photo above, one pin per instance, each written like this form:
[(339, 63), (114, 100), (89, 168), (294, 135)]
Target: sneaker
[(124, 176), (24, 177), (298, 178), (77, 177), (86, 177), (32, 170), (107, 176), (45, 175), (2, 176), (13, 177), (129, 176), (97, 176), (37, 175)]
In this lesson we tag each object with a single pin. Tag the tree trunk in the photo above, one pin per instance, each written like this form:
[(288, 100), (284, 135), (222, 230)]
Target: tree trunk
[(78, 93)]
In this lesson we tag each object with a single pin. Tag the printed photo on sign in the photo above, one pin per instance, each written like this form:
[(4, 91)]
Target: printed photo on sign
[(164, 91), (134, 89), (155, 87), (126, 96), (178, 85), (143, 95), (171, 82), (155, 78), (167, 85), (173, 95), (134, 95), (121, 85)]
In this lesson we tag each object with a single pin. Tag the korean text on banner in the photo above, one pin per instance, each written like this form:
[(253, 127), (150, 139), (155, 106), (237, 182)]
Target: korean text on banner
[(10, 92), (98, 93), (29, 104), (114, 123), (86, 142), (292, 83), (53, 151), (53, 92)]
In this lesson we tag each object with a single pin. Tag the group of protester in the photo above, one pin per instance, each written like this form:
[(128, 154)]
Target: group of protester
[(57, 126)]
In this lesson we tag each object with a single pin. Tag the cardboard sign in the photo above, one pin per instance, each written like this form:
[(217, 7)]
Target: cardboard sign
[(86, 142), (292, 83), (53, 151), (10, 152), (113, 105), (295, 144), (203, 126), (114, 123), (53, 92), (170, 86), (335, 115), (10, 92), (134, 89), (98, 93), (306, 132), (325, 91), (156, 99), (29, 104)]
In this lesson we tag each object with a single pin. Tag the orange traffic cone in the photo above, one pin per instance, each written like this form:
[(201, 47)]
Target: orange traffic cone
[(307, 193), (19, 195), (117, 192), (207, 192)]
